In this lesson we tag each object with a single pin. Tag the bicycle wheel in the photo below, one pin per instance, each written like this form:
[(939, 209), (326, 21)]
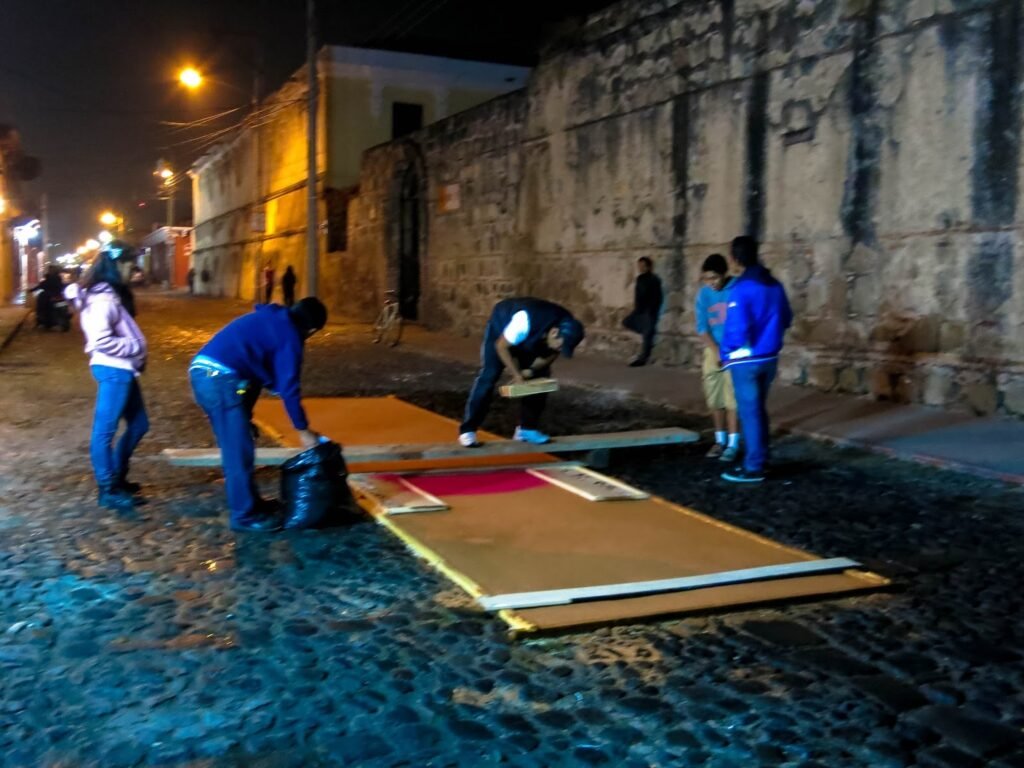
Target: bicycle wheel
[(392, 333)]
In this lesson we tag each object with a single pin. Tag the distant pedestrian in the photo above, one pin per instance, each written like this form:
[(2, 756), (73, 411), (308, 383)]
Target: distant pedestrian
[(191, 280), (526, 336), (756, 323), (647, 298), (117, 356), (288, 280), (711, 309), (261, 349), (268, 284)]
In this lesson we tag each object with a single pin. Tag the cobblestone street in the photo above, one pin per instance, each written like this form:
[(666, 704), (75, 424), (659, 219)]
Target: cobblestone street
[(169, 640)]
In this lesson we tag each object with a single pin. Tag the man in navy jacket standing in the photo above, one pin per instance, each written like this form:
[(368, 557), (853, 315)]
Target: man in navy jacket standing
[(261, 349), (526, 336), (758, 315)]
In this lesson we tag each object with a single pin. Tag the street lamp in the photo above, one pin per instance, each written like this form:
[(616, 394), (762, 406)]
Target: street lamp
[(91, 244), (111, 219), (190, 78)]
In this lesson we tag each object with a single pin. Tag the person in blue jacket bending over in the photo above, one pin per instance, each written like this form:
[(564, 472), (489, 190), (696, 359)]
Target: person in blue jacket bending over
[(755, 323), (526, 336), (261, 349)]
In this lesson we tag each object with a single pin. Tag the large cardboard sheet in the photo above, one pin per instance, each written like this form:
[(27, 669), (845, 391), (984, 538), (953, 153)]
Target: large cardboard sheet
[(508, 531), (379, 421), (511, 532)]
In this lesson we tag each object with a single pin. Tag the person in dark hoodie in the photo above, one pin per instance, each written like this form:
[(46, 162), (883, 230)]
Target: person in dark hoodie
[(261, 349), (647, 298), (755, 325), (526, 336)]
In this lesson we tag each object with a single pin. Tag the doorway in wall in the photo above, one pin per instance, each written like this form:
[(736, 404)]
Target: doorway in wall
[(409, 245)]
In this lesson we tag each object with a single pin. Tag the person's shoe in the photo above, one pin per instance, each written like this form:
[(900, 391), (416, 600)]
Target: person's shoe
[(468, 440), (715, 451), (533, 436), (127, 485), (116, 499), (640, 362), (730, 453), (257, 524), (742, 475)]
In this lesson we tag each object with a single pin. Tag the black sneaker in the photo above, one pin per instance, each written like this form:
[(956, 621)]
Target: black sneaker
[(741, 475), (257, 524), (116, 499), (640, 362)]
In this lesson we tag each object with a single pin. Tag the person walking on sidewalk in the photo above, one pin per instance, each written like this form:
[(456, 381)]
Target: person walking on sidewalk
[(526, 336), (711, 309), (647, 298), (268, 283), (757, 317), (261, 349), (288, 281), (117, 356)]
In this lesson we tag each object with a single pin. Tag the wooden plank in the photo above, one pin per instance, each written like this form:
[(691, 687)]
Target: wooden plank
[(589, 484), (364, 454), (527, 388), (548, 597), (393, 495)]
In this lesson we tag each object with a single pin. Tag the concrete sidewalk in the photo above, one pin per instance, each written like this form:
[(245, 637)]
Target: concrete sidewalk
[(990, 447), (11, 319)]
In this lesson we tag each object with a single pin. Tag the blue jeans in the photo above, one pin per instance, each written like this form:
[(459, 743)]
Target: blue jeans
[(530, 408), (228, 402), (118, 396), (751, 382)]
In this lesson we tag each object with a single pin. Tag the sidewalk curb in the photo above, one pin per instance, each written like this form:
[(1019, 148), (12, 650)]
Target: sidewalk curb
[(881, 450), (9, 337)]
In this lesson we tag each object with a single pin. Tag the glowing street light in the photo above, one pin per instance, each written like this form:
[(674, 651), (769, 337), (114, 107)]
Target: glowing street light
[(108, 218), (105, 236), (190, 78), (91, 244), (3, 206)]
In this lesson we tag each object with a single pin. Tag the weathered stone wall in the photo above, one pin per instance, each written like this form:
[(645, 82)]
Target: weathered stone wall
[(872, 145)]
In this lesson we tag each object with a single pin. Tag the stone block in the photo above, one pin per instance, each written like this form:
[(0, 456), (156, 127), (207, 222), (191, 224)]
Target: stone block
[(823, 376), (890, 692), (939, 386), (972, 733), (1013, 397), (850, 380), (982, 397)]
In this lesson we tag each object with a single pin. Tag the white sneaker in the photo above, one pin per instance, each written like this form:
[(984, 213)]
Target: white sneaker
[(534, 436), (468, 440)]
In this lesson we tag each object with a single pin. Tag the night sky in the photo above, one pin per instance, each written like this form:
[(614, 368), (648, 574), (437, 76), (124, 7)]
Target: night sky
[(89, 83)]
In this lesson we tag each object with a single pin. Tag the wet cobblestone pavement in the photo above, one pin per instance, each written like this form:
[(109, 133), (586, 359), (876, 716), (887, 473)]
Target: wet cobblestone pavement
[(167, 640)]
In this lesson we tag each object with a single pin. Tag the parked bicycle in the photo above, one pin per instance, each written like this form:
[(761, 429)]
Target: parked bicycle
[(388, 327)]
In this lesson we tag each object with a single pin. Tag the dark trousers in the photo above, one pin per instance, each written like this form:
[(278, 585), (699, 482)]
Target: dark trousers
[(289, 295), (268, 292), (228, 402), (751, 383), (531, 408), (646, 324), (118, 396)]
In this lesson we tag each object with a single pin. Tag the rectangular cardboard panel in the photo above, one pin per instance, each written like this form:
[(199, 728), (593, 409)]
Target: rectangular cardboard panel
[(589, 484), (527, 388), (393, 495), (509, 535)]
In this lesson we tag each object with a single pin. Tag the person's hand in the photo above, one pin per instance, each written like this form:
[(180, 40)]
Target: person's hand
[(518, 377), (528, 373), (716, 354), (308, 438)]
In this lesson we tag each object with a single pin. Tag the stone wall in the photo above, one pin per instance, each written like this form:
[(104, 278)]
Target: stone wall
[(872, 145)]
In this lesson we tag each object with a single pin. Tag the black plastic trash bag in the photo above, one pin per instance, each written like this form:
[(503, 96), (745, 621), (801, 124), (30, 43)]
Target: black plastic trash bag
[(313, 488)]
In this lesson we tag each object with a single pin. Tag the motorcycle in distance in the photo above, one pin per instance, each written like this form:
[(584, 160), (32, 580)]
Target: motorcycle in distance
[(51, 307)]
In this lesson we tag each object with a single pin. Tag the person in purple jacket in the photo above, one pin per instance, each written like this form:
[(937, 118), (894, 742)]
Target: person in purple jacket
[(261, 349), (755, 325), (117, 356)]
